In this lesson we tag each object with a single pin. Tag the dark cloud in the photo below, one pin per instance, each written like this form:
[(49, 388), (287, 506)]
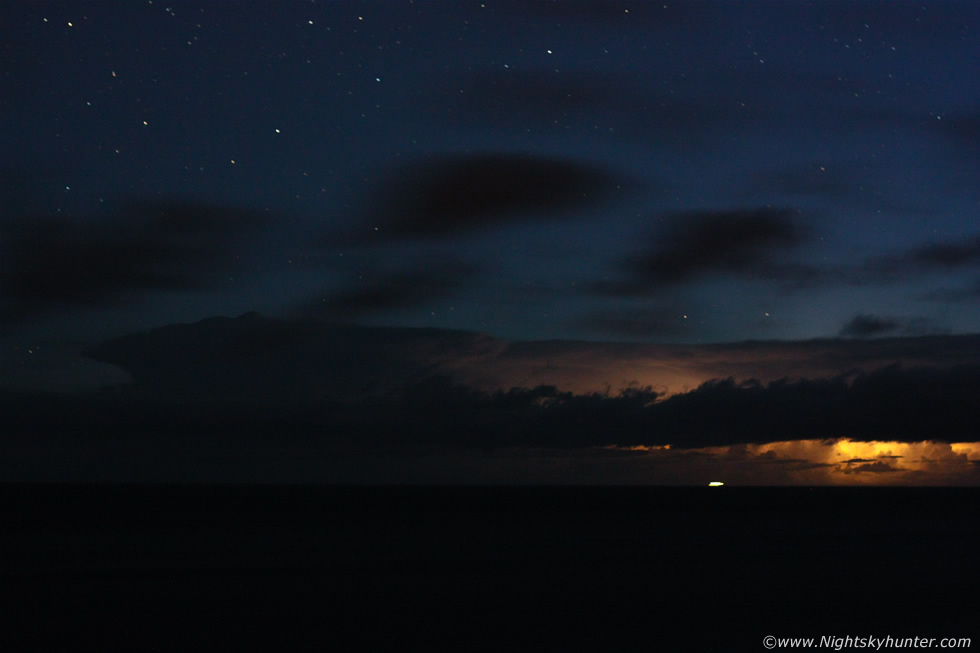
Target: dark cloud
[(932, 258), (457, 194), (893, 404), (432, 281), (56, 262), (771, 458), (866, 326), (943, 256), (871, 326), (252, 357), (239, 357), (734, 242), (876, 467), (254, 381), (913, 263), (740, 243), (683, 257)]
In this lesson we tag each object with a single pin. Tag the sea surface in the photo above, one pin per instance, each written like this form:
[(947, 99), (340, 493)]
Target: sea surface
[(201, 567)]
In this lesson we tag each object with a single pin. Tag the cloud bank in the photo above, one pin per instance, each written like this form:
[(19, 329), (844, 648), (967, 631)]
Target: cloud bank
[(256, 398)]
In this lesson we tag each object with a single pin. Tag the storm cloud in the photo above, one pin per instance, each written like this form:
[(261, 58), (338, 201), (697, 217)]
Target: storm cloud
[(889, 404)]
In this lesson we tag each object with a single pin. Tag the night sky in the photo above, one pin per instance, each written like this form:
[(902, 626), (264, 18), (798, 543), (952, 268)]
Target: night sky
[(401, 208)]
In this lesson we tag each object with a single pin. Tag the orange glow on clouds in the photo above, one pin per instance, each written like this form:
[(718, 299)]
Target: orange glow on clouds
[(585, 367), (790, 463), (840, 462)]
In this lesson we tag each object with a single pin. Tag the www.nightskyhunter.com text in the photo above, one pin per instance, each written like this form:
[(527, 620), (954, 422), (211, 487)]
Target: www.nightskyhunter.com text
[(838, 643)]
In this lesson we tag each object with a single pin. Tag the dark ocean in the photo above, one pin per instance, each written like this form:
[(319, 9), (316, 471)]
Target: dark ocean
[(196, 567)]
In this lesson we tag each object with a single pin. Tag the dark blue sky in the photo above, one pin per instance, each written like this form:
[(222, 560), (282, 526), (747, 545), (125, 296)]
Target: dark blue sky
[(660, 172)]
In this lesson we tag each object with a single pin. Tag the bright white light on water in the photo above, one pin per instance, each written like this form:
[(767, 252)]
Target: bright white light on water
[(715, 484)]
